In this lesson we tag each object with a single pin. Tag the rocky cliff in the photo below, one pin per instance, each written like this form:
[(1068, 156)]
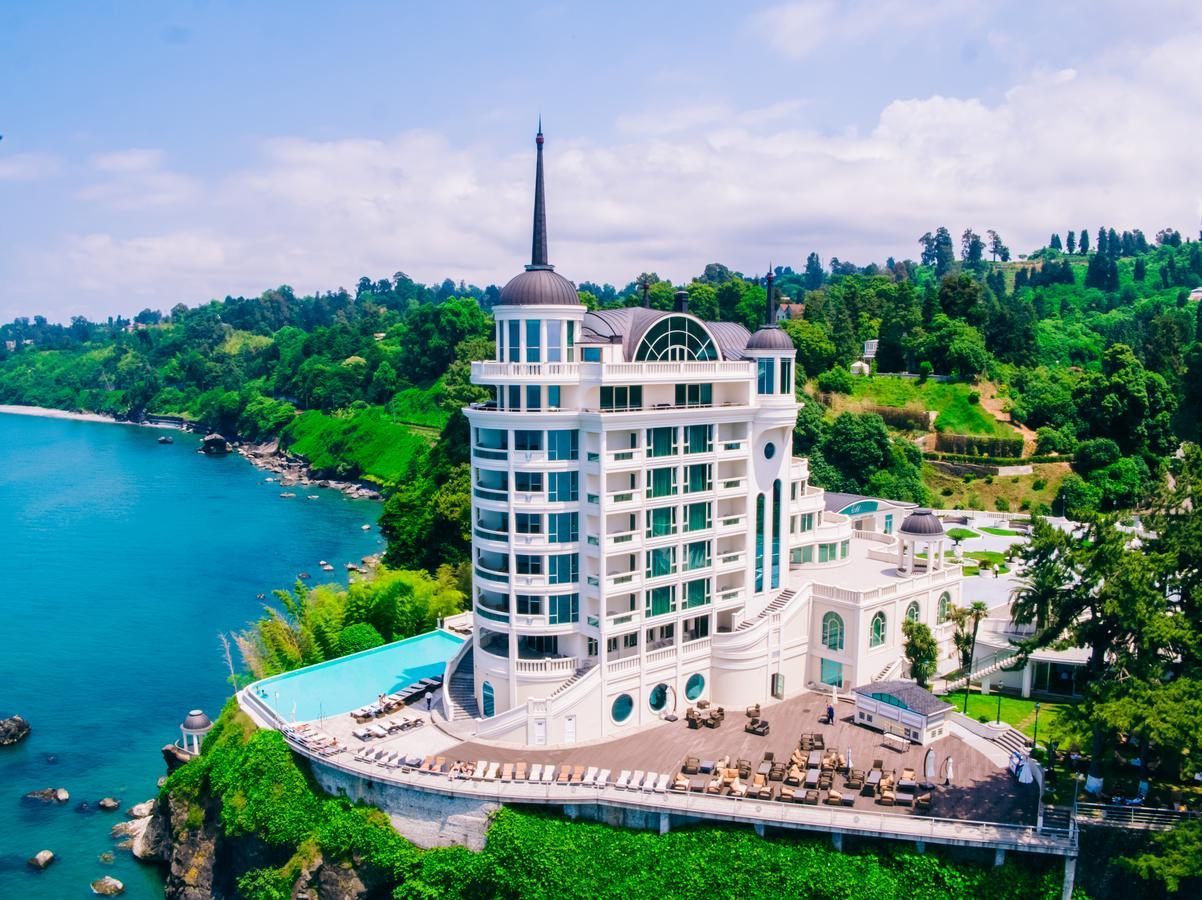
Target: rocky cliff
[(186, 835)]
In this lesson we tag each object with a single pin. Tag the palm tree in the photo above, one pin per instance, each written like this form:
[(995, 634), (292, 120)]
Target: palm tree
[(974, 614)]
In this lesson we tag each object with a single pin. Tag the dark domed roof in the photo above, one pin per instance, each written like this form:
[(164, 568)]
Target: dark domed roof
[(539, 287), (197, 721), (922, 522), (770, 337)]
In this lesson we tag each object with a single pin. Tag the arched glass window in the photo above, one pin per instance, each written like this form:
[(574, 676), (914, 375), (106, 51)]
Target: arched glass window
[(759, 543), (912, 611), (945, 607), (676, 338), (832, 631), (490, 702), (777, 529), (877, 635)]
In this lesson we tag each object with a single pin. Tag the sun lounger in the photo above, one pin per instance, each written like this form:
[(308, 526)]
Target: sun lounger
[(493, 769), (378, 731), (661, 783), (577, 774), (624, 779), (602, 779), (590, 775), (536, 772), (519, 771), (362, 734), (649, 782), (565, 772), (548, 773), (636, 780), (507, 772)]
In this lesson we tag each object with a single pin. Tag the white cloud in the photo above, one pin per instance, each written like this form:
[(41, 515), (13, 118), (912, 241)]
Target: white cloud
[(796, 29), (136, 179), (27, 166), (1111, 143)]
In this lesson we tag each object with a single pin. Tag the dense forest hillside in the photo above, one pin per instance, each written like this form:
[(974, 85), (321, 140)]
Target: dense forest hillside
[(1082, 359)]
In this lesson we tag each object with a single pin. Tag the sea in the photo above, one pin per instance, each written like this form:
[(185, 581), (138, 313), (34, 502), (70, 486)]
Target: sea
[(122, 560)]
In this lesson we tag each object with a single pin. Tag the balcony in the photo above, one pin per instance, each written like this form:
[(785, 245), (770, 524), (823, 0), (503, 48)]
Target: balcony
[(491, 575), (486, 372), (557, 665), (624, 540), (616, 459), (628, 580), (730, 560), (731, 487), (732, 524), (624, 499), (625, 617)]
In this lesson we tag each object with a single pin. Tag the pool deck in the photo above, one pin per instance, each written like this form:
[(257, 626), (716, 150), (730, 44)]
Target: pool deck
[(983, 791)]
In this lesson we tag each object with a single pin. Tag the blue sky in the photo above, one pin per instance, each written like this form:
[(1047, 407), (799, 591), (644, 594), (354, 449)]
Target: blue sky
[(155, 153)]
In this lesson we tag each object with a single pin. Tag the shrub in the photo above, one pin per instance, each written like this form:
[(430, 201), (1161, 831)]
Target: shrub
[(1025, 506), (361, 636), (1039, 484), (1052, 440), (989, 479), (835, 381), (924, 371), (1095, 454), (974, 397), (1002, 504), (1076, 498), (947, 492)]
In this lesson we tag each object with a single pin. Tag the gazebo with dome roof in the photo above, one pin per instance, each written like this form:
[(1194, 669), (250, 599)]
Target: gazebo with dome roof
[(193, 730), (921, 529)]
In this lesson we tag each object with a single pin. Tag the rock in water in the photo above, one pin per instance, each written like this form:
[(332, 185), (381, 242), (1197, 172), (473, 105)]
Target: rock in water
[(41, 859), (140, 810), (108, 886), (12, 730), (107, 856), (109, 803), (49, 795)]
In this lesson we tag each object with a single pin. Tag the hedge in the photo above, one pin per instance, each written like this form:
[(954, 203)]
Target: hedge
[(997, 460), (979, 445), (901, 417)]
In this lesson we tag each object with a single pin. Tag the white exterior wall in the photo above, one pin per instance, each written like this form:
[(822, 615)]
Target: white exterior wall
[(751, 636)]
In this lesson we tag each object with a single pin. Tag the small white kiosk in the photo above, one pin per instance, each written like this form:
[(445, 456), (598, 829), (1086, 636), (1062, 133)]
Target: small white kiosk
[(902, 709)]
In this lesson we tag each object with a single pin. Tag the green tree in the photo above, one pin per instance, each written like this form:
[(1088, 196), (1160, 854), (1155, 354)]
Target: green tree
[(815, 352), (921, 651)]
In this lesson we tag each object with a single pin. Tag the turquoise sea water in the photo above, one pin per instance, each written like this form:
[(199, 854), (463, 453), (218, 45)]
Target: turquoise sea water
[(344, 684), (121, 560)]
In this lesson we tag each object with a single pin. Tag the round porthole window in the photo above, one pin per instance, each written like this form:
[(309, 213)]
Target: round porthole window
[(658, 698), (769, 450), (622, 708), (694, 686)]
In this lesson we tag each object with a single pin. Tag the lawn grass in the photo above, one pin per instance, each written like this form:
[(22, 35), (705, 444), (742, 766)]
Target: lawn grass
[(368, 444), (1001, 532), (962, 534), (989, 558), (953, 492), (956, 413), (1019, 712)]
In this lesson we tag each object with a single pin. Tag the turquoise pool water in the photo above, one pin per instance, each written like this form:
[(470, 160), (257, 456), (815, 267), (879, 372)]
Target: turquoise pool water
[(344, 684)]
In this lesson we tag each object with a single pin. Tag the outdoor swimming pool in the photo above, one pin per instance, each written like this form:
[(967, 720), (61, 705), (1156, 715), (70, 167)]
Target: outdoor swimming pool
[(344, 684)]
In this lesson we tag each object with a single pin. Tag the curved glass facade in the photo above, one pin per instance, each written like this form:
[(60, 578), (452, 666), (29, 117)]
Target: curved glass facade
[(676, 338)]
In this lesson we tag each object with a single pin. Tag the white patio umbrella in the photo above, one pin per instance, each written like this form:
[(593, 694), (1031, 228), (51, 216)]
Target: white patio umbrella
[(849, 762), (928, 765), (948, 772)]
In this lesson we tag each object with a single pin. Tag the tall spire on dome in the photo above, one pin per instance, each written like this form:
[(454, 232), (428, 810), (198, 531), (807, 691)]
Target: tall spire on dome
[(771, 301), (538, 252)]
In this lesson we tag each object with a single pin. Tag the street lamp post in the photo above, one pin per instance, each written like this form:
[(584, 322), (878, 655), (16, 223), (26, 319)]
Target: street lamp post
[(999, 707), (1035, 740)]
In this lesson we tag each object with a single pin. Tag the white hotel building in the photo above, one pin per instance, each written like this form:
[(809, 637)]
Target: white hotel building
[(643, 537)]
